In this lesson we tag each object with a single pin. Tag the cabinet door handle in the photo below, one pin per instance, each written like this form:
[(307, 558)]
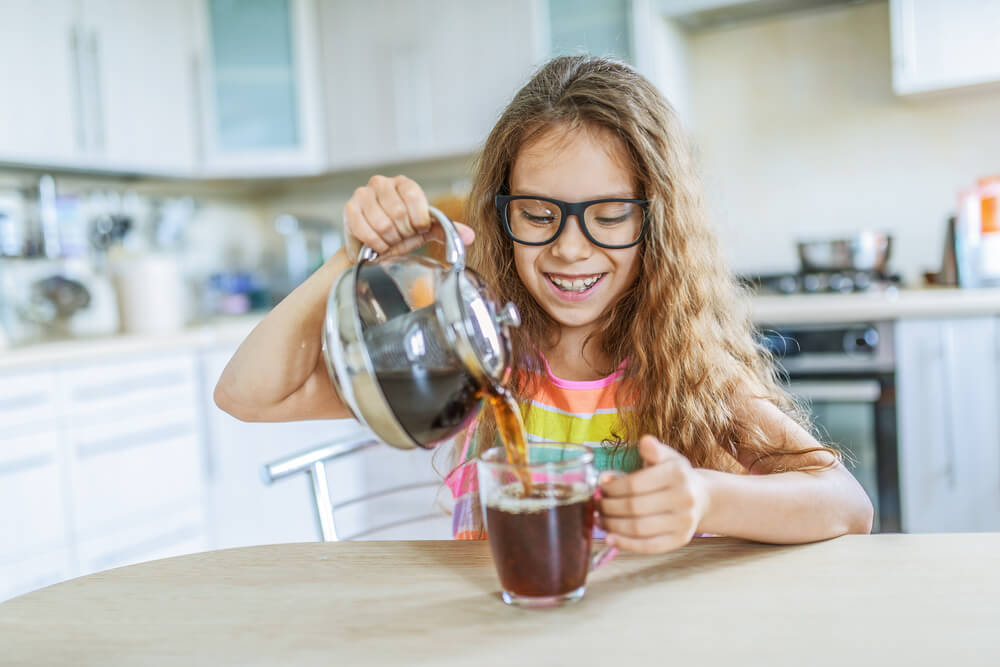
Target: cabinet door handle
[(94, 48), (196, 108), (163, 380), (22, 401), (27, 463), (79, 110), (133, 439), (951, 392)]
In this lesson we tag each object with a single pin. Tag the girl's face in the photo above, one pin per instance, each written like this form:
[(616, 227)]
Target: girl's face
[(575, 165)]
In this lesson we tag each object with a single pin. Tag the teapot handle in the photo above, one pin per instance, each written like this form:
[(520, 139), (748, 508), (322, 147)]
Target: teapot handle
[(454, 249)]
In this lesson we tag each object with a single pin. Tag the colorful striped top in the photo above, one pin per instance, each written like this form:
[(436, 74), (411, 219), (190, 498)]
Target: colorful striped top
[(583, 412)]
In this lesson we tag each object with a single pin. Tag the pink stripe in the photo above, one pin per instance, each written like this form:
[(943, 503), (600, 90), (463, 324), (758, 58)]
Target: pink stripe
[(584, 384)]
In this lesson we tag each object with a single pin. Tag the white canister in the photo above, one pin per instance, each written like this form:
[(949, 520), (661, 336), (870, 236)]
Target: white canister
[(152, 296)]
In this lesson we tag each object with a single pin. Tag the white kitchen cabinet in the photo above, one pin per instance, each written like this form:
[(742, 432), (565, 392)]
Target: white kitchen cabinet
[(102, 85), (28, 401), (33, 572), (32, 496), (260, 91), (40, 117), (162, 535), (941, 45), (948, 390), (139, 85), (412, 80)]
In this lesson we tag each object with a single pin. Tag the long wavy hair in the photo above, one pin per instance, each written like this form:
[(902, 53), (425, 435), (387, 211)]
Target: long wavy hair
[(683, 328)]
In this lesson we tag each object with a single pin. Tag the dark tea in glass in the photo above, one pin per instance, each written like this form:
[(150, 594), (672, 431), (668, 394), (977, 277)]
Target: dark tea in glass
[(540, 533)]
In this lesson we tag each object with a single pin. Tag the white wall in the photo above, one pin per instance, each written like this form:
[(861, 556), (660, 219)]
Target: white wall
[(798, 132)]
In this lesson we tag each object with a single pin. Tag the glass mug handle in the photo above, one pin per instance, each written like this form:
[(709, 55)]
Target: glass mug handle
[(603, 555)]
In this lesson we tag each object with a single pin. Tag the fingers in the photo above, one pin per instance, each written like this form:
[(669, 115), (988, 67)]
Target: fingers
[(672, 499), (415, 200), (390, 215), (467, 233), (391, 202), (665, 467), (651, 545)]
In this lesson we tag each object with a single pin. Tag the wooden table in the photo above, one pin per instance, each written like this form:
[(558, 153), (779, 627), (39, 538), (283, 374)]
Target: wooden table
[(857, 600)]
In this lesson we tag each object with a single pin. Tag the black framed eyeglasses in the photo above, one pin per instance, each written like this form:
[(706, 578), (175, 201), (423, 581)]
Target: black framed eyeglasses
[(607, 223)]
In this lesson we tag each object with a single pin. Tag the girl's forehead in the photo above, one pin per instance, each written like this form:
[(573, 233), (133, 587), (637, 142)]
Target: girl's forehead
[(574, 163)]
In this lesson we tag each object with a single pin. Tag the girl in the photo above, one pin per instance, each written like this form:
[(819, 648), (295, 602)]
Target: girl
[(586, 214)]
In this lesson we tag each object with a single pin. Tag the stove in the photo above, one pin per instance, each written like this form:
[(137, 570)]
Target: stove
[(817, 282)]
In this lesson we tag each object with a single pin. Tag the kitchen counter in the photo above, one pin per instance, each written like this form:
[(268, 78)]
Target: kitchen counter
[(862, 600), (221, 331), (892, 304), (767, 309)]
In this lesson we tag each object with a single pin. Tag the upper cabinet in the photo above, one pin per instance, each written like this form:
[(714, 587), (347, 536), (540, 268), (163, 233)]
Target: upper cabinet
[(259, 94), (944, 45), (97, 84), (277, 88), (40, 118), (138, 80), (413, 79)]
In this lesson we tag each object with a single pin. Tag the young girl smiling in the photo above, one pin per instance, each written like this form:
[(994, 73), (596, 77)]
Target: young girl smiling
[(585, 212)]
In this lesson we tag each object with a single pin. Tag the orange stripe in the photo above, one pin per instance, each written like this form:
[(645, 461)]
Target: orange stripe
[(578, 400)]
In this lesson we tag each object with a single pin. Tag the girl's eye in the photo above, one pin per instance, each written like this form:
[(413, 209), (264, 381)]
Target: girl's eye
[(539, 219), (613, 221), (611, 213)]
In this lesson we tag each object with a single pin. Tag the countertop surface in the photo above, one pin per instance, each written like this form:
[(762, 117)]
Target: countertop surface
[(767, 310), (855, 600), (891, 304)]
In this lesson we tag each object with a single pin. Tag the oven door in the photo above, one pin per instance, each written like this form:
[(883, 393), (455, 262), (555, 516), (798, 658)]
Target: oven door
[(857, 415)]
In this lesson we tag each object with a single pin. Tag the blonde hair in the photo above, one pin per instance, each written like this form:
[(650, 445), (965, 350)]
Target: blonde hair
[(684, 329)]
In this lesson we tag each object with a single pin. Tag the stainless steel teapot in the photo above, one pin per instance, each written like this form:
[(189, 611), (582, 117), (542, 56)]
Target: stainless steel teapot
[(413, 345)]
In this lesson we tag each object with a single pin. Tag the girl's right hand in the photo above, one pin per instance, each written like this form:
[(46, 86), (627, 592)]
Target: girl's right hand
[(390, 216)]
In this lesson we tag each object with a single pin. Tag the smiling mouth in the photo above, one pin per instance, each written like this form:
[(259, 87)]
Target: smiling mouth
[(575, 285)]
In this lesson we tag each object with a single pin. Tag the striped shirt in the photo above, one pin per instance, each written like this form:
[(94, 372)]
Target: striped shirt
[(583, 412)]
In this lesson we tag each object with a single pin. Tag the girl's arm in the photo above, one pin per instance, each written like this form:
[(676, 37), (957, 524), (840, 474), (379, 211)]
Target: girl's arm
[(278, 372), (660, 507)]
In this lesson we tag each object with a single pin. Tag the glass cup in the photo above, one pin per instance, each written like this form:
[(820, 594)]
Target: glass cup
[(541, 542)]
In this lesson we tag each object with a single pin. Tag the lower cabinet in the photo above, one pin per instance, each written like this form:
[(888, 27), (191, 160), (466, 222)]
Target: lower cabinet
[(948, 397), (109, 463)]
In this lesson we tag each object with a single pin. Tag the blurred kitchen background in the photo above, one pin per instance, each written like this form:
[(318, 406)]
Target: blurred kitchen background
[(170, 169)]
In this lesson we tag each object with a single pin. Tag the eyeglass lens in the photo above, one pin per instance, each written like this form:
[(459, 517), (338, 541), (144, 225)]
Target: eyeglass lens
[(611, 223)]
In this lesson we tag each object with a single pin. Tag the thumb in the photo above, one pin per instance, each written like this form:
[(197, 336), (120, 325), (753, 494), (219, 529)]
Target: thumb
[(653, 452), (467, 233), (436, 233)]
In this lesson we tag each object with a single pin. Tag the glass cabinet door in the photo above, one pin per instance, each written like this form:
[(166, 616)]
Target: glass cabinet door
[(597, 27), (254, 84), (261, 107)]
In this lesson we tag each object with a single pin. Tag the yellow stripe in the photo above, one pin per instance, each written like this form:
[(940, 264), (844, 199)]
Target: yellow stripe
[(562, 427)]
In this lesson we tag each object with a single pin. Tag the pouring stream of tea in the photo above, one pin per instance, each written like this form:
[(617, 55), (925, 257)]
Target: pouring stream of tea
[(511, 430)]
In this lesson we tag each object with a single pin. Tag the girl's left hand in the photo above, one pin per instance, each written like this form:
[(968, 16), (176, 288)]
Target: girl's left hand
[(656, 509)]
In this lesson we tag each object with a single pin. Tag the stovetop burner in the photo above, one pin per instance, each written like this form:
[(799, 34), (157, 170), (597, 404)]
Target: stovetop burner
[(821, 282)]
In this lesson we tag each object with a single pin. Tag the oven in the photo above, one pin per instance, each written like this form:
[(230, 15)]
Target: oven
[(844, 374)]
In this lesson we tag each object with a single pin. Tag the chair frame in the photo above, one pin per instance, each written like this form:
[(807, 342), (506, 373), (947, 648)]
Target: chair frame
[(312, 462)]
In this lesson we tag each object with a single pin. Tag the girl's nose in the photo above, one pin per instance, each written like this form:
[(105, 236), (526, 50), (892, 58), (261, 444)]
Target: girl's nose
[(572, 245)]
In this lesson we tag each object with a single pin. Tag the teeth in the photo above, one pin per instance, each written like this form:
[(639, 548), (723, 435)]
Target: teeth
[(577, 285)]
